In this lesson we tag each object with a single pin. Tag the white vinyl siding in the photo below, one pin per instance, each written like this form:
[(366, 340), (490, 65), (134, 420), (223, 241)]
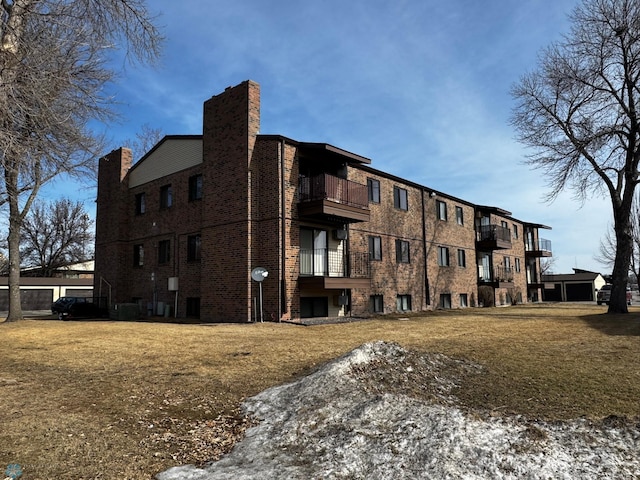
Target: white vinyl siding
[(174, 155)]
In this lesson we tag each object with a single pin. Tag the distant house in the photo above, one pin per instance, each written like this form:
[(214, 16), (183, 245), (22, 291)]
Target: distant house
[(38, 293), (73, 270), (579, 286)]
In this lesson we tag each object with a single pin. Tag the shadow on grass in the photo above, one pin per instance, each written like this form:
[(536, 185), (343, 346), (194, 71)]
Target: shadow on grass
[(615, 324)]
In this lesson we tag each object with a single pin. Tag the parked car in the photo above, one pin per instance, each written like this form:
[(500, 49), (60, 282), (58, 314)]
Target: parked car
[(66, 307), (604, 295)]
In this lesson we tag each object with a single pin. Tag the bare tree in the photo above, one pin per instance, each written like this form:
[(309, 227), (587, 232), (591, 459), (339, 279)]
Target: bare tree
[(55, 67), (579, 112), (145, 140), (547, 265), (56, 235), (607, 250)]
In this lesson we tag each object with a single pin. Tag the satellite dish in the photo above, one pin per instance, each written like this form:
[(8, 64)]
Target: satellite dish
[(259, 274)]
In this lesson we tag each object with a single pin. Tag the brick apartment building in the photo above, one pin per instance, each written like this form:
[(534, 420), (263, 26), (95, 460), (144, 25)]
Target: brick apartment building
[(185, 226)]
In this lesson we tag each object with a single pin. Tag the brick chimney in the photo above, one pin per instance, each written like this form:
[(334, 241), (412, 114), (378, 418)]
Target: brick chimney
[(231, 123)]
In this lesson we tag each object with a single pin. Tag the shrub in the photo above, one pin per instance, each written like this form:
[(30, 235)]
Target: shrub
[(485, 296)]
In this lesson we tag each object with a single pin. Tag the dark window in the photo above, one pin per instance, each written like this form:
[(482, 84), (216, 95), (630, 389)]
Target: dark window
[(403, 303), (462, 258), (374, 190), (193, 248), (441, 209), (193, 307), (402, 251), (375, 248), (195, 187), (166, 196), (314, 307), (164, 251), (517, 265), (141, 206), (443, 256), (445, 300), (138, 255), (377, 304), (400, 199), (459, 216)]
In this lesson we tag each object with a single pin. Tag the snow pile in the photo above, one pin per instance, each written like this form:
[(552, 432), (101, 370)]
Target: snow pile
[(380, 412)]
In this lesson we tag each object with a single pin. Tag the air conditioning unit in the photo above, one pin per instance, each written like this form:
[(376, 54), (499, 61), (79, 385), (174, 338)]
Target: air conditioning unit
[(340, 234)]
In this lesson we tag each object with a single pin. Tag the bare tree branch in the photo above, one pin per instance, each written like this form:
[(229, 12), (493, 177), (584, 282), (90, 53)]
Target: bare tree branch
[(55, 64)]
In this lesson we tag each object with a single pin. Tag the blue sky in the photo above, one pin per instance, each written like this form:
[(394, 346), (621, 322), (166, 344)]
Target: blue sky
[(420, 87)]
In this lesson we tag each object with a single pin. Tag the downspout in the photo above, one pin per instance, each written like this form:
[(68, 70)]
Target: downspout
[(424, 248), (282, 286)]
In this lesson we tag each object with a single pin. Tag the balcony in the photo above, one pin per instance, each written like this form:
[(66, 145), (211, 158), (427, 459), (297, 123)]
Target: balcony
[(537, 283), (499, 277), (534, 279), (493, 237), (327, 268), (540, 248), (327, 197)]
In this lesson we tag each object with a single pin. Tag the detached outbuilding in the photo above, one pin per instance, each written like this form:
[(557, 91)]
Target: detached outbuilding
[(579, 286)]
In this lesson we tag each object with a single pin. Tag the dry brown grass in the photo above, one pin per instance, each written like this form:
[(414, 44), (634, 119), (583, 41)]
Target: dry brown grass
[(126, 400)]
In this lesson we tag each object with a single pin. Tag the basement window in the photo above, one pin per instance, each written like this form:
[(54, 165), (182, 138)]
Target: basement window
[(403, 303)]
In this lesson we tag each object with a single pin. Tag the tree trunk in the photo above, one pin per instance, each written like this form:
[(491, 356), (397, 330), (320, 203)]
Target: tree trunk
[(620, 275), (15, 308)]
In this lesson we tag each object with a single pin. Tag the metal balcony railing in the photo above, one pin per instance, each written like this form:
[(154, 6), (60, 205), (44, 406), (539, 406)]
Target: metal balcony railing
[(534, 278), (326, 262), (496, 274), (334, 189), (493, 232), (541, 245)]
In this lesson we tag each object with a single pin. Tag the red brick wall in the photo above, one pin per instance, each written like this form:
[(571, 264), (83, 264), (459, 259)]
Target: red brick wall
[(390, 278), (266, 226), (231, 123), (453, 280), (175, 224), (110, 278)]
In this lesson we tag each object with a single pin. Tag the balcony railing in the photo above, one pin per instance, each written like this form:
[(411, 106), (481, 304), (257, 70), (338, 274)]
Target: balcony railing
[(496, 274), (534, 278), (326, 262), (541, 245), (334, 189), (493, 233)]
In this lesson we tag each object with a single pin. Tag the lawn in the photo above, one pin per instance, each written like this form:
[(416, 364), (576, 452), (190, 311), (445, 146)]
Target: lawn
[(103, 399)]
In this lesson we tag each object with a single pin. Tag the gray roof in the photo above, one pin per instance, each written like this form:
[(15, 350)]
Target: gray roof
[(577, 276)]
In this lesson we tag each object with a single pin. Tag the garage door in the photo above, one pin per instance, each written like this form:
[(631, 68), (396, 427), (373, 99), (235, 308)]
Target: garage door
[(579, 292), (36, 299), (552, 294)]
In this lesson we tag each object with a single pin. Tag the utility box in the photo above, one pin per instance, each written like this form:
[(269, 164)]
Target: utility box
[(340, 234), (125, 311)]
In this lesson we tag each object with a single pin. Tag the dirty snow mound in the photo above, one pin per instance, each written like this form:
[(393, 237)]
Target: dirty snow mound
[(381, 412)]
